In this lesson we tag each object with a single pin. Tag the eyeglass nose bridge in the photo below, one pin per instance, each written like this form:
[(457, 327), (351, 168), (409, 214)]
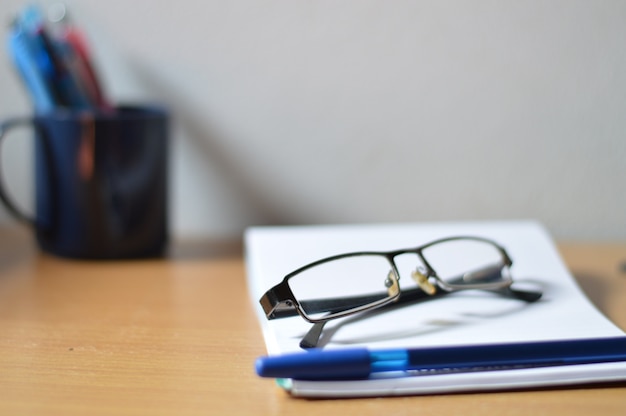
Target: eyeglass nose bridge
[(421, 273)]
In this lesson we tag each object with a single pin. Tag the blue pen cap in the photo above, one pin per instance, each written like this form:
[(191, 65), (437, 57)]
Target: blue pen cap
[(317, 365)]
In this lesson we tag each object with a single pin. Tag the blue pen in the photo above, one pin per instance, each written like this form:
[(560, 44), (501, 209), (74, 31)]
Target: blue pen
[(350, 364), (47, 56), (21, 50)]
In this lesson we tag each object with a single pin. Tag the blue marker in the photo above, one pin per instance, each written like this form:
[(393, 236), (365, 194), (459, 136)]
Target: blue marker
[(350, 364)]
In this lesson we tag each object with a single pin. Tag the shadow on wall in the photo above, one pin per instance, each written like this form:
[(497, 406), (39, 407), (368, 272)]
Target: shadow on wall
[(203, 142)]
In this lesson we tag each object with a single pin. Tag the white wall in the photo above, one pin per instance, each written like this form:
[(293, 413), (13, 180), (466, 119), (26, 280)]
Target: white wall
[(303, 111)]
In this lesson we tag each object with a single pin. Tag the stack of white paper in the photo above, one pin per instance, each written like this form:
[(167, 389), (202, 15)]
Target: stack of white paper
[(462, 318)]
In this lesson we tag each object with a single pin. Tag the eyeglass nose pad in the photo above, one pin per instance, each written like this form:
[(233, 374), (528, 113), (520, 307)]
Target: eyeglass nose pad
[(423, 282), (391, 283)]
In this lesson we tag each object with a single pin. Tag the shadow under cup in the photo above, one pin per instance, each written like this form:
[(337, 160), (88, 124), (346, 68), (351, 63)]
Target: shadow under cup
[(100, 182)]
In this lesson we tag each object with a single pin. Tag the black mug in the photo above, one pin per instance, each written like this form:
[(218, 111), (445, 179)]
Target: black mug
[(100, 182)]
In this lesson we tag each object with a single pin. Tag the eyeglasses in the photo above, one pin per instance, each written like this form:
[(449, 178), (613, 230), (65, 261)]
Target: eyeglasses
[(351, 283)]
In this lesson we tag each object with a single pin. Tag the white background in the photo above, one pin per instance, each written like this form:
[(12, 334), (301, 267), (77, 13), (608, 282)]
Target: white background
[(303, 111)]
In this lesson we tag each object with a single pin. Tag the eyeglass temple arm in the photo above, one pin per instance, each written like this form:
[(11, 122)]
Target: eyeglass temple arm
[(311, 339), (333, 305), (336, 305)]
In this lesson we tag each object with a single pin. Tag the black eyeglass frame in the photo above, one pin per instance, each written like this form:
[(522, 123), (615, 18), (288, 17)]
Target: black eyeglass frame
[(280, 302)]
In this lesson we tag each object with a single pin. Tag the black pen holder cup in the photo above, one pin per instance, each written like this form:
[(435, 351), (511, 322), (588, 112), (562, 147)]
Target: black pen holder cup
[(101, 182)]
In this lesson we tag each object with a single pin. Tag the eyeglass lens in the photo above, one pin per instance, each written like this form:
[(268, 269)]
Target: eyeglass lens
[(344, 284)]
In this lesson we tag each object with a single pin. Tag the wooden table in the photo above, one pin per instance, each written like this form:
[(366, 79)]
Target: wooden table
[(179, 336)]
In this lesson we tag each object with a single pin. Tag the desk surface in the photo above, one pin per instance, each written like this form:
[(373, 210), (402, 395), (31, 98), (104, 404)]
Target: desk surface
[(179, 336)]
